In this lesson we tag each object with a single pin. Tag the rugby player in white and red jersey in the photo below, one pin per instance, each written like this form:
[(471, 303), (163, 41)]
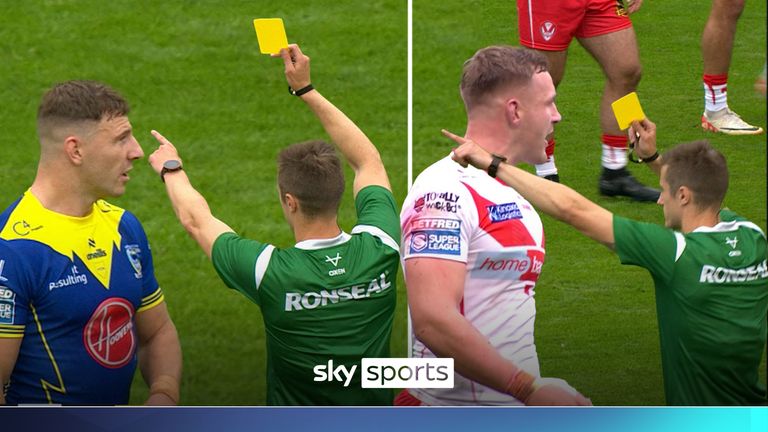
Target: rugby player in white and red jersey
[(473, 248)]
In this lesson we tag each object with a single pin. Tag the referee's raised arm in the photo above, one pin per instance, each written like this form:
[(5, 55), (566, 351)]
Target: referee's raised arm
[(359, 151)]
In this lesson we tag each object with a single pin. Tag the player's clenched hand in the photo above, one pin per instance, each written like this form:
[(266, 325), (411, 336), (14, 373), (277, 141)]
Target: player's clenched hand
[(554, 391), (166, 151), (634, 5), (296, 67), (468, 152), (644, 133)]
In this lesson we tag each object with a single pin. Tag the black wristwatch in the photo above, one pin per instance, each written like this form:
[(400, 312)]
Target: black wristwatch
[(170, 165), (494, 166)]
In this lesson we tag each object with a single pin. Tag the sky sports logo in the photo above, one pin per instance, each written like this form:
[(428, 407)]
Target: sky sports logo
[(391, 373)]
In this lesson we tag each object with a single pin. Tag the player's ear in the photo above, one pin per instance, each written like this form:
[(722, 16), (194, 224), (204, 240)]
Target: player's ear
[(684, 195), (291, 203), (512, 110), (73, 148)]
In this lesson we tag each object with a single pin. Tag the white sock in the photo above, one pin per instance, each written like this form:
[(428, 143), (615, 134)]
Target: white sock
[(715, 97), (614, 157)]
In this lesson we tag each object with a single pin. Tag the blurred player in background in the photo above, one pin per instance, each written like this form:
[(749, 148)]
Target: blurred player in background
[(760, 82), (604, 29), (330, 297), (716, 50), (473, 248), (708, 265), (79, 302)]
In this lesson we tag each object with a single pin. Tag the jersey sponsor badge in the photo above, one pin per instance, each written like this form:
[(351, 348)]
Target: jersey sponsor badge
[(7, 305), (436, 236), (520, 264), (504, 212), (447, 202), (108, 336), (2, 265)]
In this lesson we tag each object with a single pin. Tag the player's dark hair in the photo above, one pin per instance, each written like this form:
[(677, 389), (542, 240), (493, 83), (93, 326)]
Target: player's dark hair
[(498, 66), (76, 101), (701, 168), (311, 171)]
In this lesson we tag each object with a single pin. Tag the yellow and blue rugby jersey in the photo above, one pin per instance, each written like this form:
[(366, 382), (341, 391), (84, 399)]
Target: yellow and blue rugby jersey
[(71, 288)]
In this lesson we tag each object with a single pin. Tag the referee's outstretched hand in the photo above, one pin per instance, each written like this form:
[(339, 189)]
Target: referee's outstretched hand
[(643, 132), (296, 67)]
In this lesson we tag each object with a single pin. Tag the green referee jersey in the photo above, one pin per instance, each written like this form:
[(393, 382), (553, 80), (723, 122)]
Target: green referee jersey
[(711, 302), (329, 300)]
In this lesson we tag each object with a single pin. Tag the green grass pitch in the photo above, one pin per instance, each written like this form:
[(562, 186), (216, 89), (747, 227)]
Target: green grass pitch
[(191, 69)]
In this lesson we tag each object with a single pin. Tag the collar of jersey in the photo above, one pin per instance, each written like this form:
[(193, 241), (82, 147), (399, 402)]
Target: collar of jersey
[(720, 227), (313, 244), (48, 214)]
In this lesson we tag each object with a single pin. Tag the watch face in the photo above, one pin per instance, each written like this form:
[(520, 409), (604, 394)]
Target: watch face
[(171, 165)]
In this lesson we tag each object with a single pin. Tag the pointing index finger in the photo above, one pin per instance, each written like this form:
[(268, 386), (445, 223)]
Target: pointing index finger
[(453, 136)]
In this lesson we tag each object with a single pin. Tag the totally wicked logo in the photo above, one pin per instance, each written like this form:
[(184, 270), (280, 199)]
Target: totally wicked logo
[(108, 337)]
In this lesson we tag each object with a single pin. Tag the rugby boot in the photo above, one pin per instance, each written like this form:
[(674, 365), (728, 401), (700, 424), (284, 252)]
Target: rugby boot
[(727, 122), (621, 183)]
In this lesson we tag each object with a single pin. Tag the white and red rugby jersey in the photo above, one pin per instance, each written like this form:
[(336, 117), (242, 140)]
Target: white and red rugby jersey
[(462, 214)]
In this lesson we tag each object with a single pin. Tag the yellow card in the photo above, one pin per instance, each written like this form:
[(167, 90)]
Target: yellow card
[(627, 109), (271, 35)]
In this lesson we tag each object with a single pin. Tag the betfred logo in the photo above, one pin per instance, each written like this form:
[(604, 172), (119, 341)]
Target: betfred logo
[(108, 337), (435, 223), (521, 264)]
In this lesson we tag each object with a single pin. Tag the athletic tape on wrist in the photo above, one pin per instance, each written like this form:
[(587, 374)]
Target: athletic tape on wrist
[(521, 385)]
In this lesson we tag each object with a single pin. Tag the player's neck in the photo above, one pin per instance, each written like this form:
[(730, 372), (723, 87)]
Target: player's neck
[(315, 228), (488, 135), (707, 218), (61, 194)]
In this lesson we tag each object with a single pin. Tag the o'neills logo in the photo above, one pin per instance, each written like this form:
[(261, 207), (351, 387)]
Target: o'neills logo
[(108, 337)]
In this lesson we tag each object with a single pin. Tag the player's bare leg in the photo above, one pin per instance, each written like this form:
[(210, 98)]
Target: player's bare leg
[(557, 60), (716, 51), (619, 58)]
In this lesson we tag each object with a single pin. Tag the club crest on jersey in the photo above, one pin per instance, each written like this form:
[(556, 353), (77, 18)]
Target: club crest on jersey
[(547, 29), (108, 336), (133, 252), (504, 212)]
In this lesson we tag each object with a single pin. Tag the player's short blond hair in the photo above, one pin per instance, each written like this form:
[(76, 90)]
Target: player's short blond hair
[(496, 67)]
